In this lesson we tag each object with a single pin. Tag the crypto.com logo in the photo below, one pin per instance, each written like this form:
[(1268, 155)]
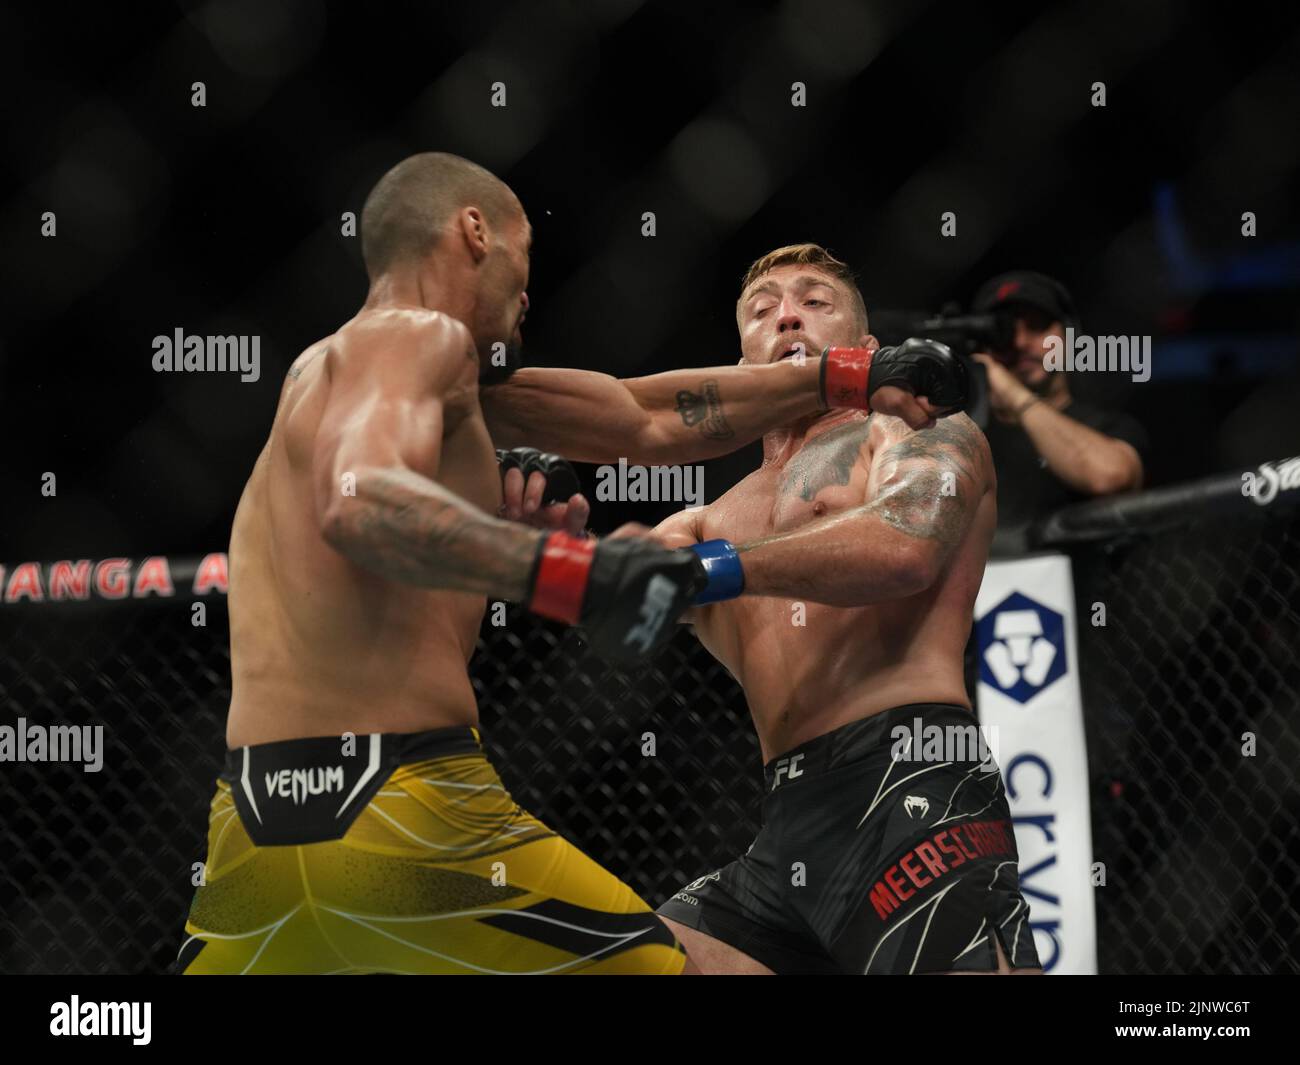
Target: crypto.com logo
[(1022, 647)]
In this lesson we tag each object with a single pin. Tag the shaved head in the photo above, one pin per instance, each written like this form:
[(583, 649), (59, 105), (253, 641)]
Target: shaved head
[(410, 206)]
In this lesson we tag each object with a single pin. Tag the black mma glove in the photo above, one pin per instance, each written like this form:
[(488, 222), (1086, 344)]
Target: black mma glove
[(626, 594), (561, 479), (924, 367)]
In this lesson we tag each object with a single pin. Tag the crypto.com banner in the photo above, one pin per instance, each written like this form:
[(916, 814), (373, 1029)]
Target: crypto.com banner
[(1029, 695)]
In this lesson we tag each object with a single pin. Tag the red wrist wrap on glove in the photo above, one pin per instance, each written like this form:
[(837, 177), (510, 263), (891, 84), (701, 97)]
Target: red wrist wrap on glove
[(561, 577), (844, 377)]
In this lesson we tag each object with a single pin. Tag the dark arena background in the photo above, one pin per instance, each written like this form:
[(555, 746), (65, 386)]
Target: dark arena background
[(1168, 205)]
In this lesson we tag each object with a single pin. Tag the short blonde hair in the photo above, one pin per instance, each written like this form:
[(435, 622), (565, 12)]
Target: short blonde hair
[(805, 255)]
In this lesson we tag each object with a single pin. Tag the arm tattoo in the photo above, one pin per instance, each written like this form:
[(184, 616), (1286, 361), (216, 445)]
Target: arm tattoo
[(934, 482), (296, 371), (408, 529), (705, 410)]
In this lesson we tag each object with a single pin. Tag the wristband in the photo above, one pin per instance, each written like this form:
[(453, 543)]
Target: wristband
[(1020, 411), (722, 565), (560, 573), (844, 374)]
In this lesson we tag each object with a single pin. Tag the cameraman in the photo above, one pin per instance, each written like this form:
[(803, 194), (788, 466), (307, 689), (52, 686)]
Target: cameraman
[(1049, 449)]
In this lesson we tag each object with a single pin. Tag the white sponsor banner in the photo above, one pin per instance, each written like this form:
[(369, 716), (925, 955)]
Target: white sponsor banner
[(1029, 694)]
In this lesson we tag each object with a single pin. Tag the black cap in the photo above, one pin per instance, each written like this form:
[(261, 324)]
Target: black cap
[(1029, 288)]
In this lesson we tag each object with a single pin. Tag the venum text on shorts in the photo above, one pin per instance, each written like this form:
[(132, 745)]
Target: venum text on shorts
[(236, 353), (1082, 353), (23, 742), (650, 484)]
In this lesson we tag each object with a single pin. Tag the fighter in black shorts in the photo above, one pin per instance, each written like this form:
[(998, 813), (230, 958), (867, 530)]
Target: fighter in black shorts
[(843, 613), (906, 868)]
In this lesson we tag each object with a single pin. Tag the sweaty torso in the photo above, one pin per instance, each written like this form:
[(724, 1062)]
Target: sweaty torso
[(318, 645), (808, 668)]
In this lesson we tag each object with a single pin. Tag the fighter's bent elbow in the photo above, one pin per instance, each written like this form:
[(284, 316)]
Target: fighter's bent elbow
[(336, 517), (910, 570), (338, 503), (1117, 468), (1108, 480), (334, 526), (916, 568)]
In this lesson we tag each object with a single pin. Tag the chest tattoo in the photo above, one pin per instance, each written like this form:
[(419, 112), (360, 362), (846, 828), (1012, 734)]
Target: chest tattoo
[(828, 460)]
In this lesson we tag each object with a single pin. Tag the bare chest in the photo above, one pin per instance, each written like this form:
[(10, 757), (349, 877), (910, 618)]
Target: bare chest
[(827, 476)]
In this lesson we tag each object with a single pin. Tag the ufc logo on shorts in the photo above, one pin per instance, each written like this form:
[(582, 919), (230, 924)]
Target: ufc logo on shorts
[(654, 609), (789, 767)]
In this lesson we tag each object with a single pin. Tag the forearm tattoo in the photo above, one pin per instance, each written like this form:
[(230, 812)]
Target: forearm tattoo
[(705, 410), (403, 528)]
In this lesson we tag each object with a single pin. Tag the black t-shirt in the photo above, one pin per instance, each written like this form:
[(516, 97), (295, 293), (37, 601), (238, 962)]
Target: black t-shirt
[(1027, 489)]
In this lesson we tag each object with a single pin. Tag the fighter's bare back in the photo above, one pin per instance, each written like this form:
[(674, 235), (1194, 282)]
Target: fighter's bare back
[(321, 645)]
